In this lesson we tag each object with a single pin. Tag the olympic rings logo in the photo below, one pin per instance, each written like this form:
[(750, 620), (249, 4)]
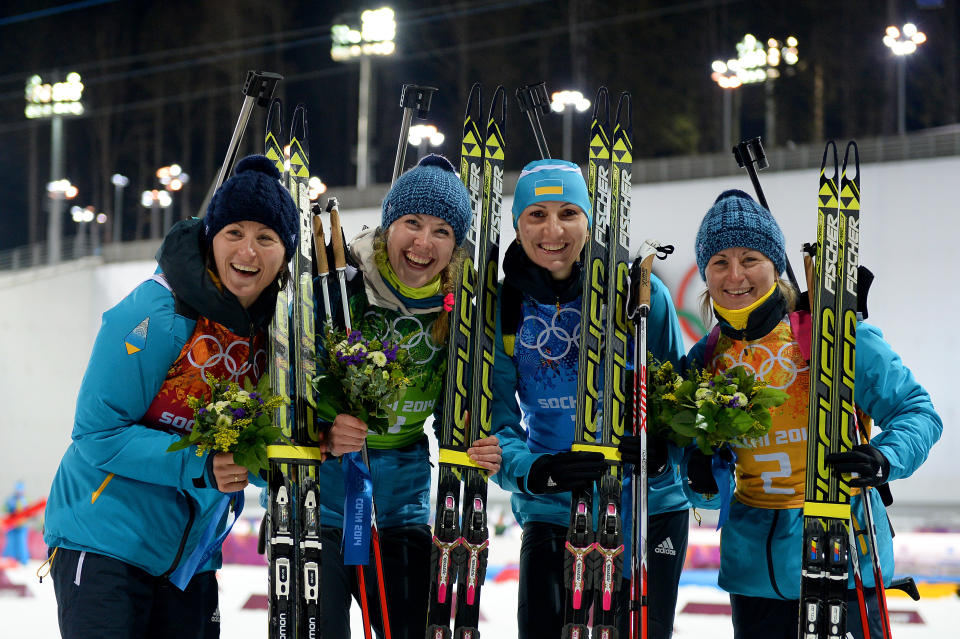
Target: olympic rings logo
[(416, 341), (234, 369), (552, 341), (781, 377)]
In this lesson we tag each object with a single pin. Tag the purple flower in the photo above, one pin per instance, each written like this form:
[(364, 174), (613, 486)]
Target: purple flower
[(354, 337), (255, 395), (238, 413), (202, 411), (391, 352), (734, 402)]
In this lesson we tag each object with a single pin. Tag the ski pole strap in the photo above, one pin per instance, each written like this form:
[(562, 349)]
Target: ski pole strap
[(207, 546), (720, 469), (286, 454), (357, 510)]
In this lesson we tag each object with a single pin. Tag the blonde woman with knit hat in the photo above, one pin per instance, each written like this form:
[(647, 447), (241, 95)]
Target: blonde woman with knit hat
[(400, 275), (740, 253)]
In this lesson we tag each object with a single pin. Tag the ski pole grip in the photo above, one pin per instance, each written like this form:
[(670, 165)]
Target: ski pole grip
[(320, 246), (417, 97), (336, 235), (646, 268), (533, 98), (260, 85)]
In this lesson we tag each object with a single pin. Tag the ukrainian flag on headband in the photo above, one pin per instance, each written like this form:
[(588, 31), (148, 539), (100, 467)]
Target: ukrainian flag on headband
[(548, 187)]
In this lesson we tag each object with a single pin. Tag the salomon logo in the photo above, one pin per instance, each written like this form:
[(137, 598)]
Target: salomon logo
[(666, 548)]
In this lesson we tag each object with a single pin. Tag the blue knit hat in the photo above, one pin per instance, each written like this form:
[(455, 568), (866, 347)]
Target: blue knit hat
[(550, 181), (735, 219), (254, 193), (430, 188)]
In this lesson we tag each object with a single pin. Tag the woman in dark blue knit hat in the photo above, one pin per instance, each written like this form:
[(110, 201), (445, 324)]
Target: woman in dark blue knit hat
[(134, 530), (534, 408), (400, 276), (740, 252)]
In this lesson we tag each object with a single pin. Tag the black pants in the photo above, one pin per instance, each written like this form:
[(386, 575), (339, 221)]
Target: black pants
[(542, 588), (98, 596), (406, 567), (779, 618)]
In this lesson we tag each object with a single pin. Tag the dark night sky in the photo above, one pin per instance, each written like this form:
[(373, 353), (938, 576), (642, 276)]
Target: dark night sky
[(163, 79)]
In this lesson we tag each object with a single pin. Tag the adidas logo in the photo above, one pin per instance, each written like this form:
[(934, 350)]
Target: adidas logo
[(666, 548), (216, 616)]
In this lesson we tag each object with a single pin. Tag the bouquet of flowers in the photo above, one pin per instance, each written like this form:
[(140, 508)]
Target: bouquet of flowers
[(234, 420), (710, 409), (360, 377)]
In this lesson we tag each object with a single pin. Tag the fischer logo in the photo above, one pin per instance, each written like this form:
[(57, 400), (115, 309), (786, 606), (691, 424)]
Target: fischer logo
[(666, 548)]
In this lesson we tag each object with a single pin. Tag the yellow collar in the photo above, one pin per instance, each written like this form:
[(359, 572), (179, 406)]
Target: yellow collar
[(738, 318), (429, 289)]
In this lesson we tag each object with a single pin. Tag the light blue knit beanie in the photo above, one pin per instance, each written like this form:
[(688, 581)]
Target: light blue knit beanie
[(735, 219), (430, 188)]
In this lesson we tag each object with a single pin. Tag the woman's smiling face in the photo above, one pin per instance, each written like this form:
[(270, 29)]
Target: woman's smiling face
[(419, 247), (738, 276), (552, 235)]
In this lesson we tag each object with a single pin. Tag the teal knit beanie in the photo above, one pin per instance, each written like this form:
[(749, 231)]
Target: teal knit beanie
[(430, 188)]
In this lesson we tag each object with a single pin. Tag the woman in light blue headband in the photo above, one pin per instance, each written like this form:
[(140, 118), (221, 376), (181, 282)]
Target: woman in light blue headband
[(535, 387)]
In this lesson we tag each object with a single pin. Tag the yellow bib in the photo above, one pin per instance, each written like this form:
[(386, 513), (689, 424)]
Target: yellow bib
[(771, 471)]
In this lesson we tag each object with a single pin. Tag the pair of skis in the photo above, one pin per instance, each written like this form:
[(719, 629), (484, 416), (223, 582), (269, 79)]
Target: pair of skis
[(460, 536), (593, 566), (293, 522)]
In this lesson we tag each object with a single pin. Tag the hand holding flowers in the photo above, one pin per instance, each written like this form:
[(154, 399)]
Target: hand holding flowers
[(234, 420), (710, 409)]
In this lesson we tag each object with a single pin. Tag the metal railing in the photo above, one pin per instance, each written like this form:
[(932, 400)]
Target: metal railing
[(929, 143)]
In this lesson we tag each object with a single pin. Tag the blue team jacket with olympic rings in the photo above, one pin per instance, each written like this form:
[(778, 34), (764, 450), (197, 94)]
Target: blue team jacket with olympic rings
[(534, 397)]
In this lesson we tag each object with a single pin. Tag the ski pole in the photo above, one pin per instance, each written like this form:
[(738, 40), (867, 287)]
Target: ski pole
[(533, 98), (340, 265), (257, 90), (750, 156), (638, 308), (861, 433), (412, 97), (323, 267)]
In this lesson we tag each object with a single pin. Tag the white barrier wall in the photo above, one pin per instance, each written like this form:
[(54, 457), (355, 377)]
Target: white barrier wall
[(909, 239)]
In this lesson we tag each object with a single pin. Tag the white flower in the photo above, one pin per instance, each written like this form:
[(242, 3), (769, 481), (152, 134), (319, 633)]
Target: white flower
[(221, 405), (379, 359), (703, 393), (224, 421), (242, 396), (356, 347)]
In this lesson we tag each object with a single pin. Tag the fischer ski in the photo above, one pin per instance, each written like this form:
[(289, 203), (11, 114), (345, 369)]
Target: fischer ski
[(460, 540), (293, 523), (832, 415)]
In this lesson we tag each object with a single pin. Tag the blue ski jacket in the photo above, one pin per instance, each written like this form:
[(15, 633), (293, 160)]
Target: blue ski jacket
[(534, 398), (118, 492), (761, 547)]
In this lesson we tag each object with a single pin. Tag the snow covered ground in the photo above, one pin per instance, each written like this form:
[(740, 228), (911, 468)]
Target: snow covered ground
[(28, 608)]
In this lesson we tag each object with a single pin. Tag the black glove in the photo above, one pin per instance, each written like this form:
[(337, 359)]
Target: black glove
[(562, 472), (865, 460), (657, 459), (699, 473), (700, 470)]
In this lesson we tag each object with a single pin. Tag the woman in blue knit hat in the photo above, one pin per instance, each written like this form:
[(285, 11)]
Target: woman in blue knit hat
[(740, 252), (401, 275), (535, 387), (126, 520)]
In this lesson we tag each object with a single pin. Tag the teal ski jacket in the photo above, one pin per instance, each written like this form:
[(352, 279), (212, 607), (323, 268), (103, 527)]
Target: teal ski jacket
[(535, 389), (761, 548), (117, 491)]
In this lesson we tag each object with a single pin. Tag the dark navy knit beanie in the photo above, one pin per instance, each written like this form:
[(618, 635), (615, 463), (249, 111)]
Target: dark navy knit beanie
[(430, 188), (735, 219), (254, 193)]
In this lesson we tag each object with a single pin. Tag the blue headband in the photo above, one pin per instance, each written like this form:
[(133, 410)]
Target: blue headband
[(550, 181)]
